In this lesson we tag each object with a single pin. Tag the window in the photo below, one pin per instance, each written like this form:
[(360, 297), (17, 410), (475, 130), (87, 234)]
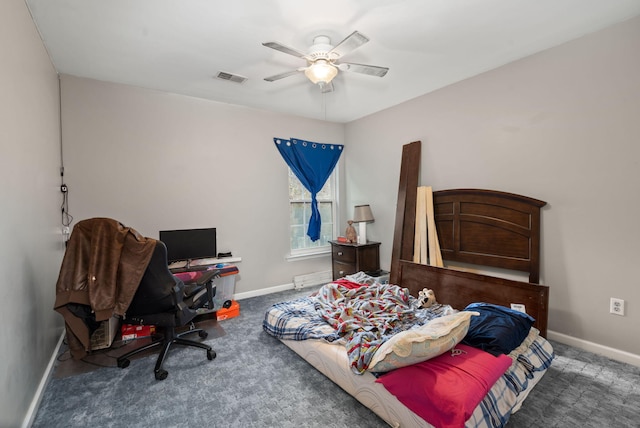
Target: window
[(300, 212)]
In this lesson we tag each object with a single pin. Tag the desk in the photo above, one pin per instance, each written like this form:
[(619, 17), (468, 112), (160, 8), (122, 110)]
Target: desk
[(200, 264)]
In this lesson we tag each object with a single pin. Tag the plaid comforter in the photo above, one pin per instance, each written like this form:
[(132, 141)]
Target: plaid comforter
[(533, 356), (297, 320)]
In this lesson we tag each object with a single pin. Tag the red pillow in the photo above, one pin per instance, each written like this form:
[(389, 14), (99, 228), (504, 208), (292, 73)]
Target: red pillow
[(347, 284), (445, 390)]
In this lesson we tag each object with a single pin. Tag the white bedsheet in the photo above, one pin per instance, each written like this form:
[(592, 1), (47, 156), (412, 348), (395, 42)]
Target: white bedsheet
[(331, 360)]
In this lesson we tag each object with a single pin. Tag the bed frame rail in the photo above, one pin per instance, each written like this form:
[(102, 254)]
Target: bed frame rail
[(459, 289)]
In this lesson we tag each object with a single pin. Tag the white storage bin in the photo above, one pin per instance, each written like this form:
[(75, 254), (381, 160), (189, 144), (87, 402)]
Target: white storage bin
[(225, 287)]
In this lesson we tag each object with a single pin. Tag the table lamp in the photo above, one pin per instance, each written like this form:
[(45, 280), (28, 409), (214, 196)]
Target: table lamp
[(362, 215)]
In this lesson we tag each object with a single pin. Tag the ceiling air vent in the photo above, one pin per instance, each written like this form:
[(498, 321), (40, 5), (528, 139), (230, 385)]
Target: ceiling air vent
[(230, 77)]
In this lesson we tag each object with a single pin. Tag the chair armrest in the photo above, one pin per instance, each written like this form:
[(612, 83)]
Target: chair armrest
[(193, 286), (207, 276)]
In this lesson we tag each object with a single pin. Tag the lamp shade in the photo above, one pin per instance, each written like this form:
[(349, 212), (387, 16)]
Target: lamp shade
[(362, 213), (321, 71)]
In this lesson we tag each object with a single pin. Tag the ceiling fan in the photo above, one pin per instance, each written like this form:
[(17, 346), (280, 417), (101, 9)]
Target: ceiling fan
[(321, 60)]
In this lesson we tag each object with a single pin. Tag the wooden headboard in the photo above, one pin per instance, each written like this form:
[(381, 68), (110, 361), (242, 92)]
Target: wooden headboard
[(480, 227), (489, 228)]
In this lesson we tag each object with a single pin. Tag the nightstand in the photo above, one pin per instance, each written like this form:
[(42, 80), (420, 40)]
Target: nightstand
[(347, 259)]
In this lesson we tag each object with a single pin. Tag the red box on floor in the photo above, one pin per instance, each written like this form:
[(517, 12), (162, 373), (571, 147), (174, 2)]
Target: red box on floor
[(230, 312), (133, 331)]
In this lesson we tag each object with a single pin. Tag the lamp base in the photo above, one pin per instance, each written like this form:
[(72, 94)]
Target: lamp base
[(362, 232)]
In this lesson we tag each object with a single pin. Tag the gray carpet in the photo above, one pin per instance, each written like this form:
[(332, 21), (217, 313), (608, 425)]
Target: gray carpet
[(256, 381), (582, 389)]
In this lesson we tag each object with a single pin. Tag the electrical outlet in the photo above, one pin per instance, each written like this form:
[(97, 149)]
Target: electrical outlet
[(519, 307), (616, 306)]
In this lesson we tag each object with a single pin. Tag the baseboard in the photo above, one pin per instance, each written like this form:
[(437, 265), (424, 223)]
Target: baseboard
[(269, 290), (35, 402), (263, 291), (614, 354)]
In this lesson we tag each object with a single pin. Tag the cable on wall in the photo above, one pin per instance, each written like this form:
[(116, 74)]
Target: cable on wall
[(64, 208)]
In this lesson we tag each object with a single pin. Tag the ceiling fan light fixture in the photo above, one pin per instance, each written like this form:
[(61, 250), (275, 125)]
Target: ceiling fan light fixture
[(321, 71)]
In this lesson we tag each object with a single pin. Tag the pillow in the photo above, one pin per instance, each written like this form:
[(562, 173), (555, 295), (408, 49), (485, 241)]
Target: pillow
[(497, 330), (445, 391), (420, 344)]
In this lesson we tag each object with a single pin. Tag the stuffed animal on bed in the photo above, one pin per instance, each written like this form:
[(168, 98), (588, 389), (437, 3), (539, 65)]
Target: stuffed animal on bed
[(426, 298)]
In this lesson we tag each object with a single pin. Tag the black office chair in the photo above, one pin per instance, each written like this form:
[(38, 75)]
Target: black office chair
[(166, 302)]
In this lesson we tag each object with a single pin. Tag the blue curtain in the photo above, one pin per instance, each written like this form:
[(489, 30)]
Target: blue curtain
[(312, 163)]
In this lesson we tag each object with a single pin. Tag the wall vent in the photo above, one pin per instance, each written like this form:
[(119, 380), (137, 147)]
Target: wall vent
[(311, 279), (223, 75)]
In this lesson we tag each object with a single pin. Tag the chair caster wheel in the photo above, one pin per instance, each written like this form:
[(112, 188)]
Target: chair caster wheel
[(161, 374), (123, 364), (203, 334), (211, 354)]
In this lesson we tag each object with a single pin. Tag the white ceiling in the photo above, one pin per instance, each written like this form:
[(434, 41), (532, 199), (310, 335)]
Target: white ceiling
[(179, 46)]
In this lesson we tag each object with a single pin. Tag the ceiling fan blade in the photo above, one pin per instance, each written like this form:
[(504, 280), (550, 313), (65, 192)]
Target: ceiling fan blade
[(283, 75), (282, 48), (371, 70), (352, 41)]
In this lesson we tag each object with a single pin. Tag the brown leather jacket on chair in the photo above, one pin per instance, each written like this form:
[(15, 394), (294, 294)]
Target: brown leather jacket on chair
[(102, 268)]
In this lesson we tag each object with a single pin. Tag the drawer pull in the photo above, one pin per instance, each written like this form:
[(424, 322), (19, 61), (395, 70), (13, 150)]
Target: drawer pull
[(340, 253)]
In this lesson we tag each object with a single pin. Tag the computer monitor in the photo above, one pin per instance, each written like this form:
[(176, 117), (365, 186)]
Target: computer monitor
[(189, 244)]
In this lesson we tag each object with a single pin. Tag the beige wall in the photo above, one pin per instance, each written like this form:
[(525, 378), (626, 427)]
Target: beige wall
[(157, 161), (562, 126), (31, 246)]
